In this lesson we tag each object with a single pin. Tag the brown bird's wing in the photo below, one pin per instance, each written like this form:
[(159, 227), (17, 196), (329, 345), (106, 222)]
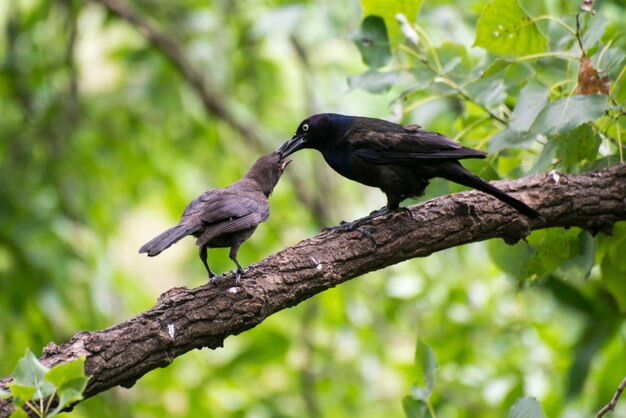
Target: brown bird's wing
[(230, 212), (407, 144)]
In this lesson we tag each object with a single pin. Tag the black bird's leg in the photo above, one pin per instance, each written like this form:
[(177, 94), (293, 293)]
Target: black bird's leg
[(233, 256), (392, 204), (203, 257)]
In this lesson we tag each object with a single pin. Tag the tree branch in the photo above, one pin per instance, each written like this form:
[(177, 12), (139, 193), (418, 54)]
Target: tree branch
[(611, 405), (185, 319)]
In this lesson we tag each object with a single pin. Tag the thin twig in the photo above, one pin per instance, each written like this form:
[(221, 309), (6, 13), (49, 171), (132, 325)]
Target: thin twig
[(578, 37), (611, 405), (441, 77), (213, 103)]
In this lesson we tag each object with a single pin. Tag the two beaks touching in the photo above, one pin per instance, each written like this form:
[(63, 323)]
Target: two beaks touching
[(398, 159)]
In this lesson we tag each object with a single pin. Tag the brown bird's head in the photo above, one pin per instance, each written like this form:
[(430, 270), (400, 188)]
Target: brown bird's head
[(267, 170)]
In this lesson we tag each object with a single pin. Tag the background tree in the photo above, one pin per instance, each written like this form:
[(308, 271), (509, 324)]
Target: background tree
[(115, 114)]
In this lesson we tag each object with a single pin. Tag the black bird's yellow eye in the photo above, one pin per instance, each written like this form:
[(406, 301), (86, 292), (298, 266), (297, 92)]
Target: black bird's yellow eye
[(305, 127)]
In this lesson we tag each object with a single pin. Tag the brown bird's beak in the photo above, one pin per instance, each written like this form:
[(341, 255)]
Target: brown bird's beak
[(294, 144), (283, 164)]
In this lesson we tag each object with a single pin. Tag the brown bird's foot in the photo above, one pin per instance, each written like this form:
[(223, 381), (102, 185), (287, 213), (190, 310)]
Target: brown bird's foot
[(238, 273), (212, 278)]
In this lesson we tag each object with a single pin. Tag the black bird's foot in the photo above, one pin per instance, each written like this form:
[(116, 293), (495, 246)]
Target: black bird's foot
[(367, 234), (342, 227), (382, 211), (356, 224), (353, 226)]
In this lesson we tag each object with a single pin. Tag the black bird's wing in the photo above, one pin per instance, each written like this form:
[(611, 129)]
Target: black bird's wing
[(406, 144)]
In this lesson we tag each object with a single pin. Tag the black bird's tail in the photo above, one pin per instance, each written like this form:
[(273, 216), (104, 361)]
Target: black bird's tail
[(457, 173), (165, 239)]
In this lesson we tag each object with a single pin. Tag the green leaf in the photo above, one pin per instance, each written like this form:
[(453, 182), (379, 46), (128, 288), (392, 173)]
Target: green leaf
[(552, 247), (531, 101), (578, 146), (611, 63), (526, 408), (509, 258), (454, 60), (595, 28), (426, 364), (510, 138), (29, 372), (70, 380), (374, 81), (579, 267), (387, 10), (504, 28), (613, 264), (18, 413), (545, 158), (496, 67), (544, 253), (21, 393), (67, 398), (65, 374), (414, 408), (569, 113), (489, 92), (373, 42)]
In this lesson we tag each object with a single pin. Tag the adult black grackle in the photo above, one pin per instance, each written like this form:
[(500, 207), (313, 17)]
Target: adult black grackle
[(400, 160), (226, 217)]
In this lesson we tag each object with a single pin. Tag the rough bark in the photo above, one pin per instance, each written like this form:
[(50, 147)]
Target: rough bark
[(185, 319)]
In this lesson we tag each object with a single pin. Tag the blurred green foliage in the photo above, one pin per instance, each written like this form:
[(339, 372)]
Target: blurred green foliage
[(103, 142), (35, 386)]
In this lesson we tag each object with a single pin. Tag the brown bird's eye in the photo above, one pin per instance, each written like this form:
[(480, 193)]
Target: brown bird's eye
[(305, 127)]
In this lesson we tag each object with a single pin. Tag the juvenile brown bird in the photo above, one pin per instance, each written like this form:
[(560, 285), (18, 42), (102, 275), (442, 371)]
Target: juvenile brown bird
[(226, 217), (400, 160)]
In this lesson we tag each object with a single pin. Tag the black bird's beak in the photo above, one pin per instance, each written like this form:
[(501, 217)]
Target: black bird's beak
[(294, 144)]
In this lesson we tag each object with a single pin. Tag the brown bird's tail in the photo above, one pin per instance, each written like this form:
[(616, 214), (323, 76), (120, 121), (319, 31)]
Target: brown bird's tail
[(165, 239), (457, 173)]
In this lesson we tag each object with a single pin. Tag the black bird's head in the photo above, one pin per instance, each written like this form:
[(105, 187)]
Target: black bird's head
[(266, 171), (317, 132)]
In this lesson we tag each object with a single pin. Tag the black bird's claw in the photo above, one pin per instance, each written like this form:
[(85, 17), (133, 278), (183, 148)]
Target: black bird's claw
[(367, 234), (339, 228), (353, 226), (342, 227), (378, 212)]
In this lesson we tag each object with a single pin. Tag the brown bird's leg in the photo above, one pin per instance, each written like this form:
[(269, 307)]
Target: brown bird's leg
[(233, 256), (203, 257)]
